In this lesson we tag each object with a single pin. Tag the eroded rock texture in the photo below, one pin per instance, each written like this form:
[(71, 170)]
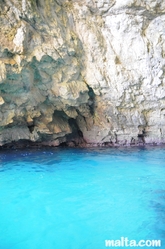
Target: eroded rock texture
[(82, 71)]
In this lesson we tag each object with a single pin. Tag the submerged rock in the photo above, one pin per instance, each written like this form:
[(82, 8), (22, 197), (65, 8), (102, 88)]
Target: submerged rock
[(82, 72)]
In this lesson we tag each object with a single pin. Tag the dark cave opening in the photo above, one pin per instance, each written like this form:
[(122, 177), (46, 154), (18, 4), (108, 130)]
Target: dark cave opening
[(76, 132)]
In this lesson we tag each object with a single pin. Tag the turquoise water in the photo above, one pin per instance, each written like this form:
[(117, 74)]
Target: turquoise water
[(78, 198)]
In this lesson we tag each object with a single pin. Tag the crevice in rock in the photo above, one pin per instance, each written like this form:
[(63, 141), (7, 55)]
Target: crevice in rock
[(141, 136), (91, 101), (31, 128), (116, 138), (37, 3), (133, 141)]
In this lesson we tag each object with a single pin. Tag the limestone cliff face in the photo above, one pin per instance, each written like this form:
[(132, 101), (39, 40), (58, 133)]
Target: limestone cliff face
[(83, 71)]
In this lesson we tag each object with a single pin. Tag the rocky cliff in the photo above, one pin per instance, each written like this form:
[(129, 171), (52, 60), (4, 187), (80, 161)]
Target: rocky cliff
[(82, 71)]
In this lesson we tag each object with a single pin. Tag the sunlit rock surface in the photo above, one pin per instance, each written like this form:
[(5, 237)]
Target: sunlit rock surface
[(82, 72)]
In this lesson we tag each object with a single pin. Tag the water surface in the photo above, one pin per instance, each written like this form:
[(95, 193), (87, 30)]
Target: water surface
[(78, 198)]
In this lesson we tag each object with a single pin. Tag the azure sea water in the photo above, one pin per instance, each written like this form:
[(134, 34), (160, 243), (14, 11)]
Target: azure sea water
[(80, 198)]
